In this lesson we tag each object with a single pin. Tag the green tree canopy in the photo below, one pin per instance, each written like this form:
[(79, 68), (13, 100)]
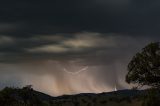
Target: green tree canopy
[(144, 68)]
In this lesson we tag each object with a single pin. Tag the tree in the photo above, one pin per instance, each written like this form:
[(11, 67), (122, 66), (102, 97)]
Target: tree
[(28, 87), (144, 68)]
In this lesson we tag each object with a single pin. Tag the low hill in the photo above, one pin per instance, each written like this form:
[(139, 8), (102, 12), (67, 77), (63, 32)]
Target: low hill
[(30, 97)]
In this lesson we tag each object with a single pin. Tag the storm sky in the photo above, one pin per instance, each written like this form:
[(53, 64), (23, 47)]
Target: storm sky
[(47, 42)]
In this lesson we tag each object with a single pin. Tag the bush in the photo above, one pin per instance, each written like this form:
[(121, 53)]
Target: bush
[(152, 98)]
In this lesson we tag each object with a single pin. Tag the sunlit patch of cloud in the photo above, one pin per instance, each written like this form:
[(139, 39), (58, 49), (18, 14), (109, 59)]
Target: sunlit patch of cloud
[(49, 49), (6, 40), (78, 42)]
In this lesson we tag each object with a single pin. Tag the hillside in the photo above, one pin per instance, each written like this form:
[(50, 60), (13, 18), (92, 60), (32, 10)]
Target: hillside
[(30, 97)]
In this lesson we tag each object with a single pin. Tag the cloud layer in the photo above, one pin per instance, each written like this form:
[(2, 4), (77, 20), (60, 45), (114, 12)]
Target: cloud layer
[(26, 18)]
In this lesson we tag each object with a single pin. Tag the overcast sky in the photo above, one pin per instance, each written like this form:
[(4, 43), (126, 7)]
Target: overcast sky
[(46, 43)]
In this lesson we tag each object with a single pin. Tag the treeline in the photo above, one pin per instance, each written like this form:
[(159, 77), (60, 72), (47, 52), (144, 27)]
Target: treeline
[(20, 97)]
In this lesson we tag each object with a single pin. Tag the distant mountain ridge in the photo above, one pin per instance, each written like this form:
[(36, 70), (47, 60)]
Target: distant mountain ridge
[(125, 92)]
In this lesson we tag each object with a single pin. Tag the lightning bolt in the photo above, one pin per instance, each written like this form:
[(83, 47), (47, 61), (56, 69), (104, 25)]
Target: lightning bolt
[(77, 72)]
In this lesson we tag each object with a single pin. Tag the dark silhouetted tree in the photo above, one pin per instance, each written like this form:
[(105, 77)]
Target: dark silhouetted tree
[(28, 87), (144, 68)]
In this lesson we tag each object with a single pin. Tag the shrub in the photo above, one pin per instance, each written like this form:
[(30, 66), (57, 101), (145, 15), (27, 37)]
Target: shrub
[(152, 98)]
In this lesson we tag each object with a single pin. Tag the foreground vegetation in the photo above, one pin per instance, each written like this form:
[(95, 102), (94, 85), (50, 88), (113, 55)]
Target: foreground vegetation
[(26, 96)]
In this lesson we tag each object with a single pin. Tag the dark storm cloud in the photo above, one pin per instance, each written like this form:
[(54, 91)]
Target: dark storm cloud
[(101, 48), (61, 16)]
